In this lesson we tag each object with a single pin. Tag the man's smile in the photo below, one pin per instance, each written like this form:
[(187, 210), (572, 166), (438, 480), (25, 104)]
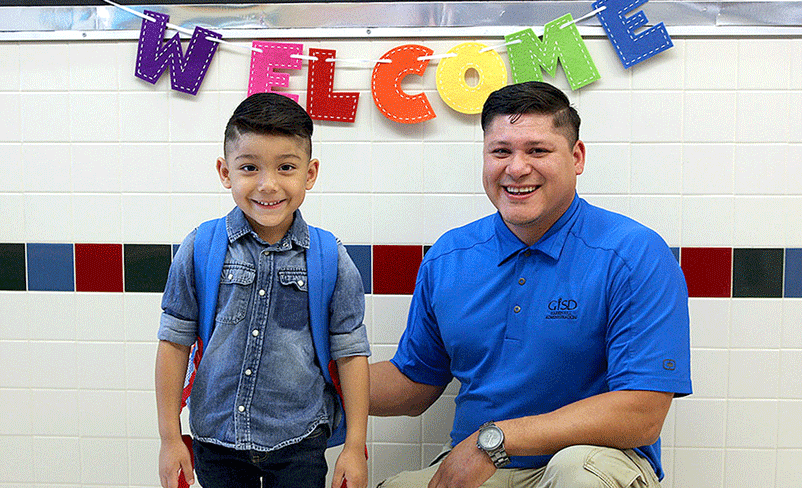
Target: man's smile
[(520, 190)]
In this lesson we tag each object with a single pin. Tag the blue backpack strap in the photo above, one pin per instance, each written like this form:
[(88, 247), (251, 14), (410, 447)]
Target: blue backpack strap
[(211, 245), (322, 259)]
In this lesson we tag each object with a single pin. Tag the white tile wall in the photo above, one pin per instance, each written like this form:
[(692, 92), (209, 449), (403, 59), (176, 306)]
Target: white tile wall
[(702, 143)]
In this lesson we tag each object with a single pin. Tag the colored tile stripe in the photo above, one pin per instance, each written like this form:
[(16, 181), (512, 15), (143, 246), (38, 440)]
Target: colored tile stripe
[(386, 269)]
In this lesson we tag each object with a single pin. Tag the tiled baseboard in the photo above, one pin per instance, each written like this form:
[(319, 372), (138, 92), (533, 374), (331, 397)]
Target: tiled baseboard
[(386, 269)]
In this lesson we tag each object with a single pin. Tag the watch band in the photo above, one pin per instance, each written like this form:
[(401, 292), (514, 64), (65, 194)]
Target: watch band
[(498, 455)]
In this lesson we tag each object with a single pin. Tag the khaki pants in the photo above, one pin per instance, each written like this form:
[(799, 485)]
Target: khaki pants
[(573, 467)]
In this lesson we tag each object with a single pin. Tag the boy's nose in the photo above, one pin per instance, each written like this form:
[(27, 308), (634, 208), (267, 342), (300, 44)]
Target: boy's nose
[(267, 183)]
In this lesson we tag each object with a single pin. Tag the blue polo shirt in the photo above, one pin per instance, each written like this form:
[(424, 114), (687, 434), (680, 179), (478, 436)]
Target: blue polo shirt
[(598, 304)]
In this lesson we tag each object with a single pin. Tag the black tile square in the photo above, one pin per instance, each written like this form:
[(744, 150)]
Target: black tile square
[(757, 273), (12, 267), (146, 267)]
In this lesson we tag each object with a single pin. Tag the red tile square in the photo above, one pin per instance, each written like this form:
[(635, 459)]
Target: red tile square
[(99, 267), (395, 269), (708, 271)]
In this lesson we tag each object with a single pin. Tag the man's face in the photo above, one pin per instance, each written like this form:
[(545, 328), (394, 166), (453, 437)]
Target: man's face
[(529, 172)]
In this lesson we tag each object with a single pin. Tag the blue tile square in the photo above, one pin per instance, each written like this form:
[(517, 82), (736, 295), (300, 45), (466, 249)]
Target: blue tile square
[(51, 267), (793, 273), (361, 256), (675, 252)]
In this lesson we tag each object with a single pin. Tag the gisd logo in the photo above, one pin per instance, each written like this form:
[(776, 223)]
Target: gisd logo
[(561, 304), (562, 308)]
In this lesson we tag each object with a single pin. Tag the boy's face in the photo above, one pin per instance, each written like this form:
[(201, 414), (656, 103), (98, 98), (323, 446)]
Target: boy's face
[(268, 176)]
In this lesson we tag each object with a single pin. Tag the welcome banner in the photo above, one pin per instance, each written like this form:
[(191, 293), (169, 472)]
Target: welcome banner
[(528, 55)]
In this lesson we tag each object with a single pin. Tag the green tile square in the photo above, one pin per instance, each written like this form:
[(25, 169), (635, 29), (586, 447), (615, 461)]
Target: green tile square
[(12, 267), (146, 267), (757, 273)]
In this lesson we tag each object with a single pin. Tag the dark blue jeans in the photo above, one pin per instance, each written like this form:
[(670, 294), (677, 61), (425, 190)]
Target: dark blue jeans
[(300, 465)]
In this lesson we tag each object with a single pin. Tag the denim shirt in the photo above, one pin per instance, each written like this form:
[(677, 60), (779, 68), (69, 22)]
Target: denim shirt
[(259, 386)]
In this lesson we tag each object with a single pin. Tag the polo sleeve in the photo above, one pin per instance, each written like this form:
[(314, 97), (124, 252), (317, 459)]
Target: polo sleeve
[(648, 336), (347, 332), (179, 318), (421, 355)]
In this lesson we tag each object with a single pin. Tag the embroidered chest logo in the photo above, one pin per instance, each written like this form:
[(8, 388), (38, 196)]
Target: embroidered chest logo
[(562, 308)]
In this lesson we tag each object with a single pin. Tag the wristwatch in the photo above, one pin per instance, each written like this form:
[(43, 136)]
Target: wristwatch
[(491, 441)]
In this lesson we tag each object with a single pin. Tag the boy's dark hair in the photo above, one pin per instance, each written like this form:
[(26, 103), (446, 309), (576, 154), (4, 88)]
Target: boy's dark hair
[(269, 114), (533, 97)]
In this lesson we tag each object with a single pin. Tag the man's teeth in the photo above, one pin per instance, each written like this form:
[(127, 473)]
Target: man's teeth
[(521, 190)]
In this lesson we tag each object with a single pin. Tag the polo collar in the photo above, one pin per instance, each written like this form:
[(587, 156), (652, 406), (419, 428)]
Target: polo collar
[(238, 226), (550, 244)]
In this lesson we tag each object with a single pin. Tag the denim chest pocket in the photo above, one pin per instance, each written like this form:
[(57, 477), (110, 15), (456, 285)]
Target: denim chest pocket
[(292, 299), (236, 281)]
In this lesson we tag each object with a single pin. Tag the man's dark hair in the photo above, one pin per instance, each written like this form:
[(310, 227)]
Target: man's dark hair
[(533, 97), (269, 114)]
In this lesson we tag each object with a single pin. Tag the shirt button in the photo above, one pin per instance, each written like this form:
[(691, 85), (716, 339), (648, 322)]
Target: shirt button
[(527, 253), (248, 372), (241, 408), (255, 333), (230, 276), (517, 309), (267, 253), (300, 282), (521, 281), (261, 293)]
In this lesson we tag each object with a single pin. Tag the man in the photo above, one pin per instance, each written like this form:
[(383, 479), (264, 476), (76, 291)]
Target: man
[(566, 325)]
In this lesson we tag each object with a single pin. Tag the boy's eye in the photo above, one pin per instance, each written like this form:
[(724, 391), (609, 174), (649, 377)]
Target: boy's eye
[(248, 167), (286, 167)]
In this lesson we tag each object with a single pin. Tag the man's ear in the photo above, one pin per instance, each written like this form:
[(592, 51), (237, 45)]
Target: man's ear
[(579, 157)]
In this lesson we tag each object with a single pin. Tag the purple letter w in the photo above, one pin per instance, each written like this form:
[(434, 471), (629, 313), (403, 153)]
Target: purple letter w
[(186, 72)]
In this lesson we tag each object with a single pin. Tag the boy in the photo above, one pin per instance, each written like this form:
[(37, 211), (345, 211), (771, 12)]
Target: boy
[(261, 411)]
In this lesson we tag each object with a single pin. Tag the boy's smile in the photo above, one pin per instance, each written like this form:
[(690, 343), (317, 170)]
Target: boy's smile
[(268, 176)]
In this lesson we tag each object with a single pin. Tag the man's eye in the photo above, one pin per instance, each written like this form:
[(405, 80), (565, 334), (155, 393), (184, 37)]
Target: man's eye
[(500, 151)]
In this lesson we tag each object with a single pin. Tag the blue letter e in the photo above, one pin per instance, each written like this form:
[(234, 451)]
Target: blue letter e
[(632, 48)]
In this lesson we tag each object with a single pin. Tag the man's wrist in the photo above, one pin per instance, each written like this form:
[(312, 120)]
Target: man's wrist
[(491, 441)]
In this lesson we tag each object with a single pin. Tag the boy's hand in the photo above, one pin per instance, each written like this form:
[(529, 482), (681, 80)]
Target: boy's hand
[(351, 468), (174, 458)]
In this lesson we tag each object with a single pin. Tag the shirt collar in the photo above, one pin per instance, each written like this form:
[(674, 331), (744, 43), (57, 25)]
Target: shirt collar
[(550, 244), (238, 226)]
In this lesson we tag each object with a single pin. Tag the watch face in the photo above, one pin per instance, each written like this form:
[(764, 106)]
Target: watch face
[(490, 438)]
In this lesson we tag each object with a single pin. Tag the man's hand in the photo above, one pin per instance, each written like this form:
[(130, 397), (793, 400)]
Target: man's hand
[(466, 466), (173, 458)]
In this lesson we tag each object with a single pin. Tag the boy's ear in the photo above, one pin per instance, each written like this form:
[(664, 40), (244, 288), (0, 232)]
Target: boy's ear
[(311, 173), (223, 173)]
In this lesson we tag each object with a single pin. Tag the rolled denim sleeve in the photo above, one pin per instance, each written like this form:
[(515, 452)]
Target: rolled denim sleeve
[(179, 319), (347, 333)]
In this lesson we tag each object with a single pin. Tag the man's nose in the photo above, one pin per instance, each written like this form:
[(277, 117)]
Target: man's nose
[(518, 166)]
